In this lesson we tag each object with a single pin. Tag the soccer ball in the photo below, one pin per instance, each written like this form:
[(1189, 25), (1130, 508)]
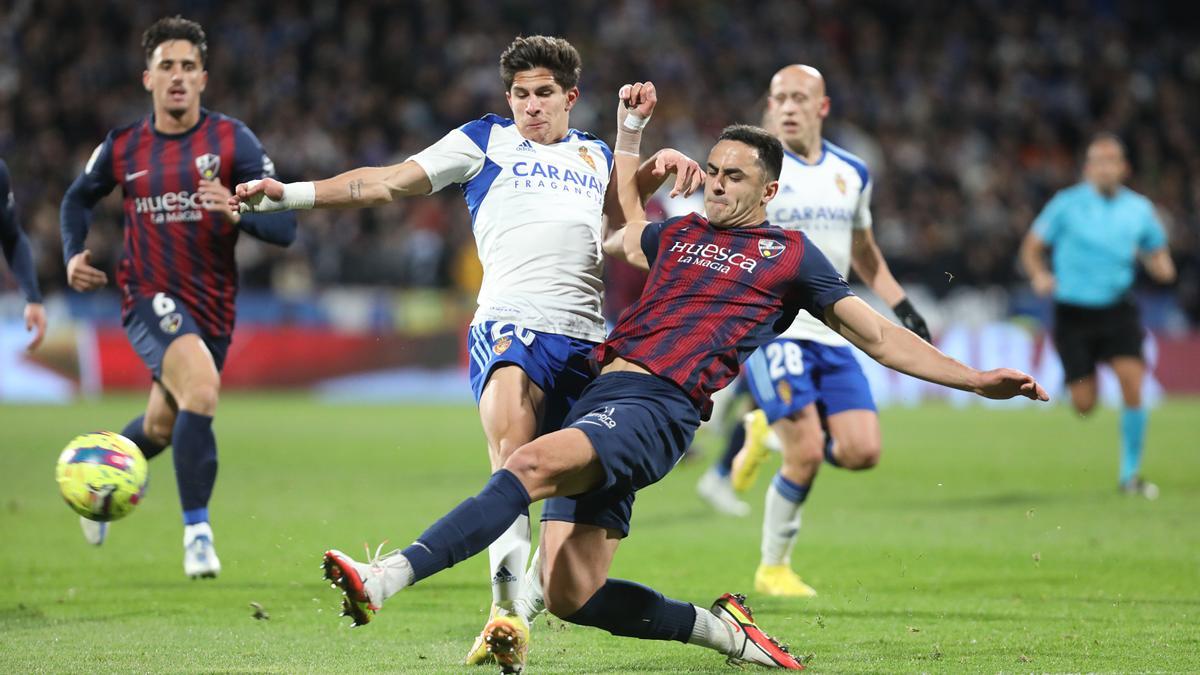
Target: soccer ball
[(101, 475)]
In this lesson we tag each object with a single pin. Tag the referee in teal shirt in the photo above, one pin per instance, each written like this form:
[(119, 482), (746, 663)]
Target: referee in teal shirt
[(1096, 232)]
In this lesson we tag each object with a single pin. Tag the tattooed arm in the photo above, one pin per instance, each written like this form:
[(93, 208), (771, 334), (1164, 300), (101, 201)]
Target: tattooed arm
[(368, 186)]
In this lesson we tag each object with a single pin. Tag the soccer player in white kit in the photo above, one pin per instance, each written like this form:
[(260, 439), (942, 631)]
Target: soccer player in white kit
[(807, 383), (538, 193)]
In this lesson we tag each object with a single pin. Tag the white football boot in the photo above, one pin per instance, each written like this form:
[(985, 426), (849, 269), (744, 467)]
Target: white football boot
[(718, 492), (199, 555), (94, 531)]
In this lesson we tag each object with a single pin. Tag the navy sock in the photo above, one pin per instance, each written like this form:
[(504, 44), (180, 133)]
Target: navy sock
[(135, 432), (737, 438), (830, 458), (632, 610), (470, 527), (195, 464)]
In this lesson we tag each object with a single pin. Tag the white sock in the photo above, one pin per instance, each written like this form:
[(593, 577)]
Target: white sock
[(508, 556), (391, 574), (531, 602), (711, 631), (781, 525)]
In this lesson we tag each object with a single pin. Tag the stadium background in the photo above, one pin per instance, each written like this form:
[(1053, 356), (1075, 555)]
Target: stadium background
[(970, 116)]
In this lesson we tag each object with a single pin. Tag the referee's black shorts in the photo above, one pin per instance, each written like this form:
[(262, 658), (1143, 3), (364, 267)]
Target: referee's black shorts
[(1085, 336)]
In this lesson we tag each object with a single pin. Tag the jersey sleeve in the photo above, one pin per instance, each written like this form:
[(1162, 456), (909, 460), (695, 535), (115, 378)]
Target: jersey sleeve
[(13, 241), (458, 157), (862, 212), (650, 237), (250, 162), (96, 181), (819, 284), (1048, 223), (1153, 235)]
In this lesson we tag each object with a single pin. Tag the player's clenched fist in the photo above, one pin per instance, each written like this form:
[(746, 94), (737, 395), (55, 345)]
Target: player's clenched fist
[(82, 276), (637, 103), (258, 196)]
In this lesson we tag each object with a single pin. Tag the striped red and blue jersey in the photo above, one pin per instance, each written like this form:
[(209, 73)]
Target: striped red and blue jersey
[(172, 244), (714, 295)]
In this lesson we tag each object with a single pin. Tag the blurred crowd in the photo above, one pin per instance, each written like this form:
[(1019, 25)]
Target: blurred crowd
[(970, 114)]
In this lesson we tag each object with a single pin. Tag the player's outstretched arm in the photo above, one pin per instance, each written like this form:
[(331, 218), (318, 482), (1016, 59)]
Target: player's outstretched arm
[(367, 186), (869, 265), (902, 350)]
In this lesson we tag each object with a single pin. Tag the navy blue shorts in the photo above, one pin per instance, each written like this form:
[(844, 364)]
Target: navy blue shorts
[(639, 425), (152, 324), (786, 374), (557, 364)]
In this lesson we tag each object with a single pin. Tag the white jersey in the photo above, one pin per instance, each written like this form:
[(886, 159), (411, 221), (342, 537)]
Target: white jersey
[(827, 201), (536, 211)]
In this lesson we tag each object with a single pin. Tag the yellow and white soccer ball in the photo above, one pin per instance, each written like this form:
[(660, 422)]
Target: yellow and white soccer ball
[(101, 475)]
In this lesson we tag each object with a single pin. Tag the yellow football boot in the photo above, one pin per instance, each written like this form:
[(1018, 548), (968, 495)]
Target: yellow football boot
[(507, 640), (753, 454), (781, 582), (479, 654)]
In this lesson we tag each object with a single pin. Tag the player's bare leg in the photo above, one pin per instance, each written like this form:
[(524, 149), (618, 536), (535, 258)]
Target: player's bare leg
[(151, 432), (1083, 394), (511, 411), (857, 440), (1131, 373), (190, 375)]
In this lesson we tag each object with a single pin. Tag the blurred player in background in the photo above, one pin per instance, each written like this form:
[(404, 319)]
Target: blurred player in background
[(538, 192), (1097, 229), (177, 275), (20, 260), (717, 290), (806, 383)]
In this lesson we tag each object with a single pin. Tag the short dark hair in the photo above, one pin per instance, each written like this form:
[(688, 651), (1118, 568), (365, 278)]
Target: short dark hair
[(174, 28), (1108, 137), (770, 150), (540, 51)]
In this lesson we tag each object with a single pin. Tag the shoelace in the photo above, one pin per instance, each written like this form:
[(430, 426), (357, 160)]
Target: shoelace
[(375, 560)]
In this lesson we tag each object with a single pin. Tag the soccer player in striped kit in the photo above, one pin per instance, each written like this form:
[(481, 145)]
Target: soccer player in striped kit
[(177, 275), (538, 193), (20, 259), (719, 287)]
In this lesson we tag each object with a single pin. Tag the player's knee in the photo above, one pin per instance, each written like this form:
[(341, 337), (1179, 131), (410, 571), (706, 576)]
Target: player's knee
[(1084, 406), (200, 398), (532, 465), (859, 454)]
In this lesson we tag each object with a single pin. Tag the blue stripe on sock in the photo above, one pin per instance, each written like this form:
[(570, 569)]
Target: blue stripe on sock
[(790, 491), (194, 516)]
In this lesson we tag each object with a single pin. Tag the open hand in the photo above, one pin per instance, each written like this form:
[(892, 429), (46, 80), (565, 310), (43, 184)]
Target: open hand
[(35, 320), (82, 276), (216, 199), (688, 174), (1005, 383)]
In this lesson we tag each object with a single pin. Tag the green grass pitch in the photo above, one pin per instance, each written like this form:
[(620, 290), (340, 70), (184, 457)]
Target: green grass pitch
[(986, 541)]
